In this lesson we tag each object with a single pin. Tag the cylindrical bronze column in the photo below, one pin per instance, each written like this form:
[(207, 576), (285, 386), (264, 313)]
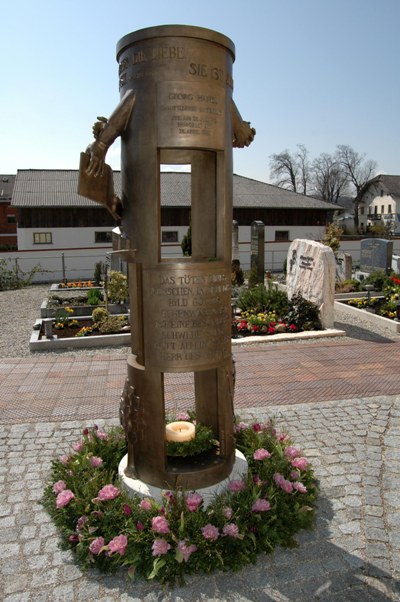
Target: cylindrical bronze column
[(182, 80)]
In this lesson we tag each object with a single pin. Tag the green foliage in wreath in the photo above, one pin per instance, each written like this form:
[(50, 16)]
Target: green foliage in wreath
[(203, 442)]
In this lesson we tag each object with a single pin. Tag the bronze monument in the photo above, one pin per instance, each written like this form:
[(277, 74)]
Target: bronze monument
[(176, 107)]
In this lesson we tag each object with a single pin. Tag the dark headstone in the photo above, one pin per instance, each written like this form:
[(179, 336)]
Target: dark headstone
[(257, 262), (376, 254)]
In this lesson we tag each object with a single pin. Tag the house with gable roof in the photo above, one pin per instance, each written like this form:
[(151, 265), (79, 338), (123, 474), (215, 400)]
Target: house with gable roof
[(8, 214), (380, 203)]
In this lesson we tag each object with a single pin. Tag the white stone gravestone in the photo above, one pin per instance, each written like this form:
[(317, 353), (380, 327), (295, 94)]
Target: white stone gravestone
[(311, 271), (344, 266)]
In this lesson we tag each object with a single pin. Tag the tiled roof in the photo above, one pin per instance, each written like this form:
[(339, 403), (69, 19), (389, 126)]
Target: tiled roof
[(390, 183), (58, 188), (6, 186)]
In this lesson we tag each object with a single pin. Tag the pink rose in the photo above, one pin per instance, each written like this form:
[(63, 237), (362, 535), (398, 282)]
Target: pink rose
[(185, 550), (230, 530), (127, 510), (294, 475), (182, 416), (261, 454), (160, 547), (159, 524), (64, 459), (285, 485), (118, 544), (145, 504), (228, 513), (81, 522), (241, 426), (210, 532), (64, 498), (261, 506), (139, 526), (300, 463), (300, 487), (292, 452), (193, 501), (236, 486), (95, 461), (101, 434), (77, 446), (59, 486), (256, 427), (108, 492), (96, 545)]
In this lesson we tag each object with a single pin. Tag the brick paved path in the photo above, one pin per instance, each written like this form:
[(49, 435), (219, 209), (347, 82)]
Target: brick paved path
[(339, 400)]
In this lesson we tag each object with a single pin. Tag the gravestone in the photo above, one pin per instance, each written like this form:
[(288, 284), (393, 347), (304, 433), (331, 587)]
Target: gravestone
[(235, 241), (257, 260), (376, 254), (396, 264), (344, 266), (311, 271), (176, 107)]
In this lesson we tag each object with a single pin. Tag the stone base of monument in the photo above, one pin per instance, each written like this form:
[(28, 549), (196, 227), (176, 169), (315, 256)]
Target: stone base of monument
[(138, 487)]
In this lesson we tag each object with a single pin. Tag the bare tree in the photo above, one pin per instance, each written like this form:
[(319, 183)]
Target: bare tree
[(329, 177), (358, 171), (291, 171)]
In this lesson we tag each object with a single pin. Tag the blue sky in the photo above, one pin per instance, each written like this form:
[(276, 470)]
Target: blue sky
[(312, 72)]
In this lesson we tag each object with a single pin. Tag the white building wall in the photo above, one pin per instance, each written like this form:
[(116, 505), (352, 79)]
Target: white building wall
[(62, 238)]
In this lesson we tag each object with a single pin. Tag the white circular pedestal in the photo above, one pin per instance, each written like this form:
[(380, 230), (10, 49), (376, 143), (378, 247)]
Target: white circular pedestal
[(137, 487)]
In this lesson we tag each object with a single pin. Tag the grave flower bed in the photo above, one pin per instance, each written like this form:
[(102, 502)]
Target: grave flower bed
[(179, 535), (384, 305)]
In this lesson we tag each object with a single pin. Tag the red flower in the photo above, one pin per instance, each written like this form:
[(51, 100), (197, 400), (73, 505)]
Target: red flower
[(271, 330), (255, 328), (293, 328), (396, 280)]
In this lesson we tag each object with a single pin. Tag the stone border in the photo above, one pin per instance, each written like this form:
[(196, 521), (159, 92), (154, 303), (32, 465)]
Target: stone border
[(361, 314), (104, 340)]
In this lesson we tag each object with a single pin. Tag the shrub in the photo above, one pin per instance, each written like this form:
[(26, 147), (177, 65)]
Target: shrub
[(237, 276), (111, 325), (259, 299), (94, 297), (13, 278), (117, 287), (100, 315), (332, 237), (304, 314), (378, 279), (97, 273)]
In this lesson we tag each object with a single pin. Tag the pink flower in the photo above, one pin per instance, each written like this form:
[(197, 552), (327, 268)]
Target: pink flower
[(261, 454), (74, 538), (127, 510), (210, 532), (228, 513), (185, 550), (285, 485), (118, 544), (236, 486), (108, 492), (96, 545), (292, 452), (139, 526), (230, 530), (64, 498), (82, 520), (95, 461), (59, 486), (256, 427), (300, 463), (300, 487), (85, 432), (182, 416), (77, 446), (193, 501), (64, 459), (160, 547), (294, 475), (283, 437), (159, 524), (240, 427), (101, 434), (145, 504), (261, 506), (293, 328)]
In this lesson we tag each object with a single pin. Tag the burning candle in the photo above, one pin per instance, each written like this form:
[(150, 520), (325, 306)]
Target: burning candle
[(180, 431)]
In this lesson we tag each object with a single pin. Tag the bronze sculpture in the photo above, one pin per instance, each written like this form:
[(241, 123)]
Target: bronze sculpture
[(176, 107)]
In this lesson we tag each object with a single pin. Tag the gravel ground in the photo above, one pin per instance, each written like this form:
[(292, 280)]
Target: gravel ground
[(21, 308)]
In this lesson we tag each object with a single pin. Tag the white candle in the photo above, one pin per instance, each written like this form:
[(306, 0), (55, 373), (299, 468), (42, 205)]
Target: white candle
[(180, 431)]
